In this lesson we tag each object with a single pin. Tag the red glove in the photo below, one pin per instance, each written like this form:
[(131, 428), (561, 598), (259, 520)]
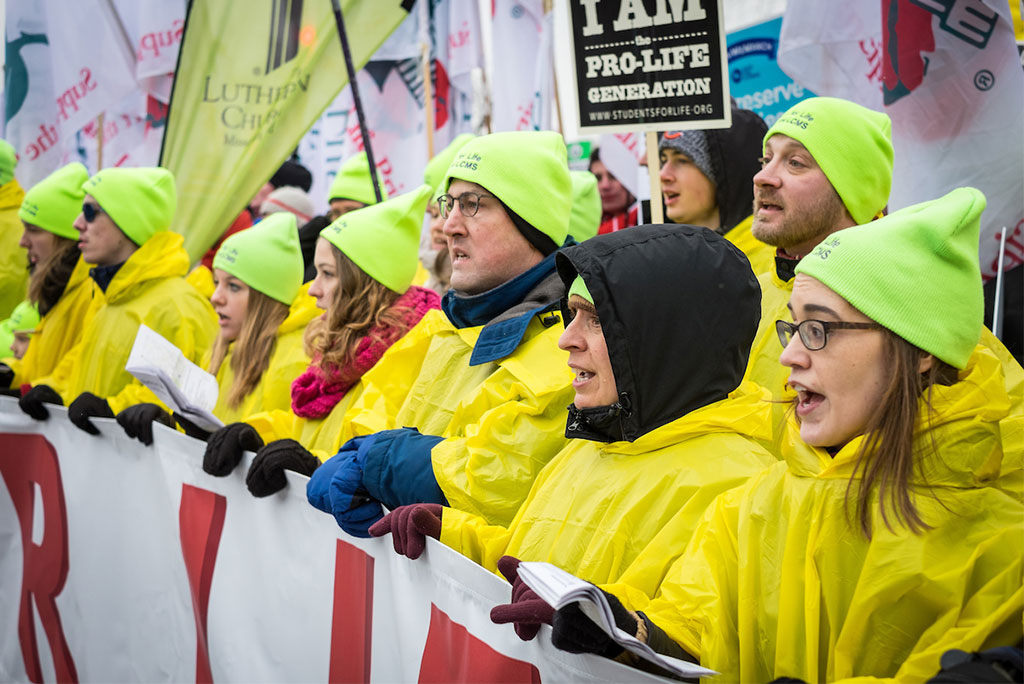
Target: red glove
[(409, 527), (527, 611)]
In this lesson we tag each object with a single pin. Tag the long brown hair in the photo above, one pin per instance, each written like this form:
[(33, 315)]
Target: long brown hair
[(50, 277), (888, 455), (254, 346), (358, 305)]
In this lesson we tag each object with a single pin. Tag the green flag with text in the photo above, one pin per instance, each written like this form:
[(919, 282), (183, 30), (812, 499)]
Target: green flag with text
[(252, 78)]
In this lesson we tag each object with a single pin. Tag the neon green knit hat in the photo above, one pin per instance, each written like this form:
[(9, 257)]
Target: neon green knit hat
[(914, 271), (353, 181), (384, 239), (6, 339), (141, 201), (266, 257), (579, 288), (24, 318), (8, 160), (527, 170), (438, 166), (55, 202), (852, 145), (585, 217)]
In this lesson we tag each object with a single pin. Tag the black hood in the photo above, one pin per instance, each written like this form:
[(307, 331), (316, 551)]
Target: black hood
[(679, 307), (736, 151)]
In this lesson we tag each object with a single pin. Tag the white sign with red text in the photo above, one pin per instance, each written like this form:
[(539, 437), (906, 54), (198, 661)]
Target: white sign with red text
[(121, 562)]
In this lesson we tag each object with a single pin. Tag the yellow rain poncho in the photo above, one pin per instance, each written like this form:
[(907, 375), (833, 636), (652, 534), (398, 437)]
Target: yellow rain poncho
[(287, 362), (597, 505), (502, 421), (778, 582), (13, 259), (760, 255), (47, 361), (149, 288)]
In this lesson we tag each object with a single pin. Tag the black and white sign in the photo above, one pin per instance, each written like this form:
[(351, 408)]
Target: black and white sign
[(649, 65)]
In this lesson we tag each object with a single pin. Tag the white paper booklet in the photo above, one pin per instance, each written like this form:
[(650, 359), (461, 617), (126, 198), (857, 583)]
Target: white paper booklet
[(178, 382), (558, 588)]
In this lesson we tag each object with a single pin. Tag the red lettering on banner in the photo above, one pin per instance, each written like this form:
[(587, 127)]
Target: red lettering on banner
[(452, 656), (201, 519), (27, 461), (352, 622)]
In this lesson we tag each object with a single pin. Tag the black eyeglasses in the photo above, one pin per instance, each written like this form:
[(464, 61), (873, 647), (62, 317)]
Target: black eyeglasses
[(469, 203), (90, 211), (814, 334)]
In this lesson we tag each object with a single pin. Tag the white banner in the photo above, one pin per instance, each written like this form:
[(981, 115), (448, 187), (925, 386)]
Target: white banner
[(521, 85), (121, 562), (948, 74)]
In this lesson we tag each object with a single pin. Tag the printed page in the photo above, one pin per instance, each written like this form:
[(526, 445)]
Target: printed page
[(559, 588), (178, 382)]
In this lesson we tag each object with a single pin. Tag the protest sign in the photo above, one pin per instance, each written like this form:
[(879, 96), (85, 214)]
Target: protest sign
[(641, 71)]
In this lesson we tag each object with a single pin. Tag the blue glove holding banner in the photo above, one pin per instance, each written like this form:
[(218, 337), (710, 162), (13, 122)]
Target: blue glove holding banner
[(337, 488)]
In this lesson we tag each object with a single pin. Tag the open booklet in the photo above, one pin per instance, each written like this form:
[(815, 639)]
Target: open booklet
[(558, 588), (179, 383)]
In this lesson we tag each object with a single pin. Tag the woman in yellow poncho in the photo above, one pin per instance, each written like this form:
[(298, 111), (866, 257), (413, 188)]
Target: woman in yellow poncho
[(882, 541)]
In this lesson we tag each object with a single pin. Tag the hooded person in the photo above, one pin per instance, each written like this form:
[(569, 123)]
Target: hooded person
[(351, 189), (707, 179), (433, 253), (881, 541), (259, 351), (827, 166), (585, 217), (481, 414), (138, 267), (13, 276), (365, 264), (659, 424), (60, 286)]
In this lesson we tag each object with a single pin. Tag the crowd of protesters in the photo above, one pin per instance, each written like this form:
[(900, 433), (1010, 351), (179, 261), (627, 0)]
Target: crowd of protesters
[(775, 431)]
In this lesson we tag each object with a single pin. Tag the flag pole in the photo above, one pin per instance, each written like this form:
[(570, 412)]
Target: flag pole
[(343, 36), (99, 142)]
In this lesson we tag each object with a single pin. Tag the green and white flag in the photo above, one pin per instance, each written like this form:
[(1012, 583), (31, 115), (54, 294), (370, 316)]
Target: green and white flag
[(252, 78)]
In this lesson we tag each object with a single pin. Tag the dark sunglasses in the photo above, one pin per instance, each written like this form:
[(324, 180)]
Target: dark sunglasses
[(90, 211)]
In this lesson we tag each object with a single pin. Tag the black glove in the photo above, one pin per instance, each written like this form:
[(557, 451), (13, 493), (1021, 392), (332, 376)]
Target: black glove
[(137, 421), (6, 376), (266, 475), (573, 631), (190, 428), (225, 446), (1002, 664), (87, 406), (33, 400)]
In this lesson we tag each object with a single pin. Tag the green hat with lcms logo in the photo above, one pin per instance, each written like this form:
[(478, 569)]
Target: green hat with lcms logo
[(527, 170), (851, 144), (266, 257), (384, 239), (55, 202), (353, 181), (914, 271), (141, 201)]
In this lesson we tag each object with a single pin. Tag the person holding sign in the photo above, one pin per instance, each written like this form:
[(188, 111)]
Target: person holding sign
[(881, 541), (707, 180), (483, 413), (257, 275), (60, 285), (139, 268), (659, 424), (365, 264)]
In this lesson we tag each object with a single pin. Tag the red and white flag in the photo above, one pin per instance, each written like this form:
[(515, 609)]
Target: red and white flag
[(522, 85), (948, 74)]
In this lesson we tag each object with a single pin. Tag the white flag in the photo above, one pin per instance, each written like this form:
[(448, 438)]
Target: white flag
[(521, 85), (948, 74)]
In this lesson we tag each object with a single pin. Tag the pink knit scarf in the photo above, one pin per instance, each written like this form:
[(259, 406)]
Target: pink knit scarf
[(314, 394)]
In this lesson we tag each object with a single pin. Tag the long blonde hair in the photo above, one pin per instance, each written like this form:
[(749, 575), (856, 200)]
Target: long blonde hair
[(50, 278), (358, 305), (253, 348)]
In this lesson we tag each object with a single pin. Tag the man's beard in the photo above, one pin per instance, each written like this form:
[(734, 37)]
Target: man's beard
[(802, 224)]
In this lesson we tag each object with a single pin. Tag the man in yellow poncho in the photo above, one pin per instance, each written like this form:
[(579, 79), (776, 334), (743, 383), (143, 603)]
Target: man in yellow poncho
[(138, 267), (483, 412), (658, 426)]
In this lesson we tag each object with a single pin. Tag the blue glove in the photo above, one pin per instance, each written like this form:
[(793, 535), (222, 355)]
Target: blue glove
[(336, 487), (320, 481)]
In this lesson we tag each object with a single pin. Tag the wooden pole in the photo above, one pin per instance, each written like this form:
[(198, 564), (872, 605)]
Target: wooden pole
[(428, 99), (99, 142), (653, 170)]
